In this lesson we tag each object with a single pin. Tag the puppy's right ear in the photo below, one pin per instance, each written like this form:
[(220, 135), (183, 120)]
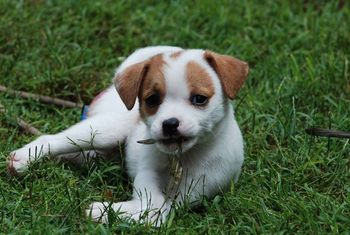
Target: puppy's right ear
[(129, 81)]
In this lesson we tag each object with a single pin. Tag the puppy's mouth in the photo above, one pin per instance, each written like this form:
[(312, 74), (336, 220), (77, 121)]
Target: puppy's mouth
[(167, 141), (175, 140), (171, 145)]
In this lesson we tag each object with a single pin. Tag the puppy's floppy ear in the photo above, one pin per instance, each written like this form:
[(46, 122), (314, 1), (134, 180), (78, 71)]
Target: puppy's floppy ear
[(232, 72), (128, 83)]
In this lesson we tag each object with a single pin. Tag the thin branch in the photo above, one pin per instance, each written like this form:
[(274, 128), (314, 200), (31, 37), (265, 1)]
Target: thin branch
[(328, 133), (23, 125), (42, 98), (28, 127)]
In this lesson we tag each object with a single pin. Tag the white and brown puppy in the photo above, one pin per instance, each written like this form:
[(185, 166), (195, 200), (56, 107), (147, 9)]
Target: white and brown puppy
[(180, 99)]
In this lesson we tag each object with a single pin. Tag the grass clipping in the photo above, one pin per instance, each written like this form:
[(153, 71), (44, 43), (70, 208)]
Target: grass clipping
[(176, 170)]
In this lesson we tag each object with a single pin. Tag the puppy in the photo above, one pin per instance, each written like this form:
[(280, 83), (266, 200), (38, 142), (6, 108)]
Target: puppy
[(180, 101)]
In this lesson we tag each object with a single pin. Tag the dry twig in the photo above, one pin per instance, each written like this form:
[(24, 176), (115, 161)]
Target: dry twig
[(327, 133), (41, 98), (23, 125)]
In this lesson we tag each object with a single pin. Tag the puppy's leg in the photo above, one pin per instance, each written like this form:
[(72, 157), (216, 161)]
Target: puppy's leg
[(99, 132), (85, 158), (148, 203), (206, 182)]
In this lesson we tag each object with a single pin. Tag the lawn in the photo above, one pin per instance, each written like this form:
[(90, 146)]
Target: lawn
[(299, 57)]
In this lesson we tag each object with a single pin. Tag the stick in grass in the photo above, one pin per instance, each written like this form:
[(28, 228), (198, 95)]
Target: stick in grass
[(23, 125), (327, 133), (42, 98), (28, 127)]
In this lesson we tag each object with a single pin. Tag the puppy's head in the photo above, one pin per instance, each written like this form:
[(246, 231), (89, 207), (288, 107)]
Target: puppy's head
[(182, 96)]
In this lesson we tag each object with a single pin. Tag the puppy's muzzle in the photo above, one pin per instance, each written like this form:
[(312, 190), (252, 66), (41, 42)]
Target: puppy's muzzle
[(170, 127)]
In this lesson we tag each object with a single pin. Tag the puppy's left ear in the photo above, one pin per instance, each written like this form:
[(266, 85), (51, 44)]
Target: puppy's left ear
[(129, 81), (232, 72)]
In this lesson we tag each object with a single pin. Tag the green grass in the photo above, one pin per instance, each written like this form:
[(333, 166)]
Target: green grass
[(299, 58)]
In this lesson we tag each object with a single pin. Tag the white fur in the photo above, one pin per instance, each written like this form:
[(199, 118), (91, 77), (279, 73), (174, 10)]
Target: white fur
[(211, 159)]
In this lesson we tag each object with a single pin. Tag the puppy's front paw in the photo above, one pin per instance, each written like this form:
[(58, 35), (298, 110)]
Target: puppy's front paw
[(17, 164), (98, 211)]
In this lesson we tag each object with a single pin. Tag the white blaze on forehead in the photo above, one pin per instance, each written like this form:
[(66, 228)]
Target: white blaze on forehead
[(175, 78), (144, 54)]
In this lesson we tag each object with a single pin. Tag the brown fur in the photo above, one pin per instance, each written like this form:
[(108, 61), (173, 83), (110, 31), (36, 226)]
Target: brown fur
[(128, 83), (142, 80), (176, 55), (231, 71), (198, 80), (153, 83)]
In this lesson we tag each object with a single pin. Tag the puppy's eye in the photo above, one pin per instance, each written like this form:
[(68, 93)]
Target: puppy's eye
[(153, 100), (199, 100)]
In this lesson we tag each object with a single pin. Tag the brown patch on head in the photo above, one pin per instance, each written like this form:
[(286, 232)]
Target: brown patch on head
[(232, 72), (142, 80), (153, 84), (129, 81), (198, 80), (176, 55)]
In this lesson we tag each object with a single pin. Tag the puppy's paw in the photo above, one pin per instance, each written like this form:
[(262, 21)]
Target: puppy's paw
[(17, 164), (18, 161), (98, 211)]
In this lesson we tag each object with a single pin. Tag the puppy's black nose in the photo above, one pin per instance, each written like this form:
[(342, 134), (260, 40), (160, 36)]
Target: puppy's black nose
[(170, 126)]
